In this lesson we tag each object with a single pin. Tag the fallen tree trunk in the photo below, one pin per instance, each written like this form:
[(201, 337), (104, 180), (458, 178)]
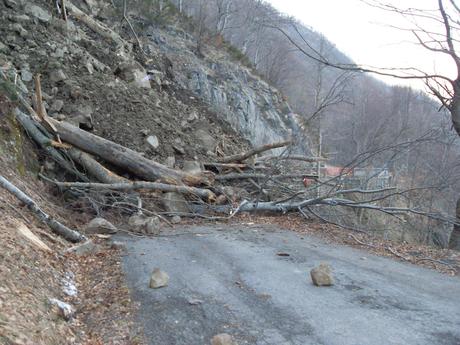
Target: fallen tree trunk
[(245, 155), (93, 167), (292, 157), (240, 176), (276, 207), (128, 159), (94, 25), (30, 126), (55, 226), (205, 194)]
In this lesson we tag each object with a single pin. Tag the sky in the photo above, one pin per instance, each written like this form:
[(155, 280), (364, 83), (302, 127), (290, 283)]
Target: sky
[(363, 33)]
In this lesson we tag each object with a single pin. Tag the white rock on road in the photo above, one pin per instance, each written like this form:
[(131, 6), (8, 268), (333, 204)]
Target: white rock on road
[(222, 339), (158, 279), (322, 275)]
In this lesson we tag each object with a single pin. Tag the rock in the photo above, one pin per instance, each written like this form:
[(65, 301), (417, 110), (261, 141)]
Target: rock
[(10, 3), (75, 91), (194, 301), (4, 48), (82, 116), (322, 275), (146, 225), (86, 248), (222, 339), (158, 279), (57, 75), (192, 117), (93, 6), (118, 245), (16, 27), (133, 73), (175, 203), (59, 52), (221, 200), (156, 76), (176, 219), (145, 132), (89, 67), (37, 12), (152, 140), (100, 226), (206, 139), (170, 162), (56, 106), (178, 149), (192, 167), (64, 310), (26, 75), (20, 18)]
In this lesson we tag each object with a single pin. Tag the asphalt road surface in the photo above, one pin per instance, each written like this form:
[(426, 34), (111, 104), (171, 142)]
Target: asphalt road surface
[(229, 279)]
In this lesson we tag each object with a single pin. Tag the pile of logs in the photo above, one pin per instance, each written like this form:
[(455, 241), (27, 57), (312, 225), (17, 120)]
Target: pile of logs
[(71, 147)]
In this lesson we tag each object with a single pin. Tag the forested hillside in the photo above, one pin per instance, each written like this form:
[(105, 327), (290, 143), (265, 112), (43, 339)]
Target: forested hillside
[(398, 128)]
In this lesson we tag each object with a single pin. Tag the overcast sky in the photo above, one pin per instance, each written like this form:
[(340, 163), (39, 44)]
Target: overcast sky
[(361, 32)]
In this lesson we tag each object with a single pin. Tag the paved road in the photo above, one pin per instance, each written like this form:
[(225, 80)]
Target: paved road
[(261, 298)]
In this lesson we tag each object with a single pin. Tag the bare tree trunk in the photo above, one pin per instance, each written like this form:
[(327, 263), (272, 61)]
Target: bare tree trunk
[(93, 167), (455, 107), (95, 25), (46, 144), (245, 155), (205, 194), (125, 158), (56, 227), (454, 242)]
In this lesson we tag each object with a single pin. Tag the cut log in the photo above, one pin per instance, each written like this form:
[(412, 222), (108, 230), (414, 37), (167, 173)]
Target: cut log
[(55, 226), (128, 159), (25, 232), (245, 155), (205, 194)]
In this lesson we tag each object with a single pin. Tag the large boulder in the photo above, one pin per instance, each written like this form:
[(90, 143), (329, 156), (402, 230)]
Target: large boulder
[(175, 203), (158, 279), (206, 139), (86, 248), (57, 75), (100, 226), (133, 73), (145, 225), (37, 12), (322, 275), (192, 167)]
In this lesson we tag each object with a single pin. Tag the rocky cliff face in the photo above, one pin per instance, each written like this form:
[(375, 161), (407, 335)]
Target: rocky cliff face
[(251, 106)]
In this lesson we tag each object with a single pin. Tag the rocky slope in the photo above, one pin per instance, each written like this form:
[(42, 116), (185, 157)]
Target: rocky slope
[(186, 106), (253, 108)]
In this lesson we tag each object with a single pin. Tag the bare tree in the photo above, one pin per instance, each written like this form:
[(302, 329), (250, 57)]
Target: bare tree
[(445, 89)]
